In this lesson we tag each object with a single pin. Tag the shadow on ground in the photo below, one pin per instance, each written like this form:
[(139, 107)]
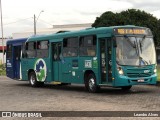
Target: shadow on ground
[(80, 88)]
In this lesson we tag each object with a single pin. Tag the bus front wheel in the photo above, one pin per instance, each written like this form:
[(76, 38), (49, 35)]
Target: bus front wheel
[(91, 84), (33, 80)]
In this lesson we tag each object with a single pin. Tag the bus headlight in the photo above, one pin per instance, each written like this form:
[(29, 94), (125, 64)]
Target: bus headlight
[(155, 70), (120, 71)]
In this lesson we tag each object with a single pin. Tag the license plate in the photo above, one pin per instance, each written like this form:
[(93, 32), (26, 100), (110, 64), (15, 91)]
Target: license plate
[(141, 80)]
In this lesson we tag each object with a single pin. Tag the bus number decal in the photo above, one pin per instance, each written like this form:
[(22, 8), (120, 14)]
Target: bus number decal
[(9, 64), (88, 64), (41, 70)]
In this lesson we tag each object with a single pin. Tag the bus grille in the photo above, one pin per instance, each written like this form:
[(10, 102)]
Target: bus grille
[(138, 73)]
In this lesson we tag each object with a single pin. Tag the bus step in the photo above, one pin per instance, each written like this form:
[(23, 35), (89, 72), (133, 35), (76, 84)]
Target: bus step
[(56, 83)]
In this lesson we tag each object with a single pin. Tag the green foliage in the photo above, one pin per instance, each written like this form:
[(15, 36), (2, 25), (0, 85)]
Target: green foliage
[(2, 70), (130, 17)]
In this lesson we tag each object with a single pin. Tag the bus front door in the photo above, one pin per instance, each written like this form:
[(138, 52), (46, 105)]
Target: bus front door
[(56, 69), (16, 61), (105, 60)]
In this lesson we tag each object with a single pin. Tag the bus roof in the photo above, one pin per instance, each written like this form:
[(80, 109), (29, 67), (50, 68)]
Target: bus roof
[(16, 41), (100, 30)]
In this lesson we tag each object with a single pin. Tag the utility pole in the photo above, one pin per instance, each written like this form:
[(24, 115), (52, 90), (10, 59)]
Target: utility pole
[(2, 31), (34, 24)]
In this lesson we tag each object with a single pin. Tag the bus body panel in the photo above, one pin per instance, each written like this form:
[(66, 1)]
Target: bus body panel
[(30, 65), (13, 61), (136, 76)]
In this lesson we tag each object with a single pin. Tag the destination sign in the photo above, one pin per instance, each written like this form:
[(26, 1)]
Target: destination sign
[(132, 31)]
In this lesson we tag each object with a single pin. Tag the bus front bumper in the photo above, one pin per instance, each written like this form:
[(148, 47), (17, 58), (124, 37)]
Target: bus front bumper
[(127, 81)]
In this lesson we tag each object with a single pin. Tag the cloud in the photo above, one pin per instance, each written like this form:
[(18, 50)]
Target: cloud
[(150, 6), (147, 5), (156, 13)]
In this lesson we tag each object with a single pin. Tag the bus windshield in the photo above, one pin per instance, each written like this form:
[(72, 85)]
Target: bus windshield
[(135, 51)]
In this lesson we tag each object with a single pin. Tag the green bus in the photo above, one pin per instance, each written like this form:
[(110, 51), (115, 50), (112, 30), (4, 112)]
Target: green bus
[(117, 56)]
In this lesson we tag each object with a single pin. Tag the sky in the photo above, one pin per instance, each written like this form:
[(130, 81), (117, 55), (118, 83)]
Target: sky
[(18, 15)]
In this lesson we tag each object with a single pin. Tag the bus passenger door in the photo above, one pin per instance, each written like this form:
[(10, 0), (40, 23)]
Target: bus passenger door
[(56, 69), (16, 61), (105, 60)]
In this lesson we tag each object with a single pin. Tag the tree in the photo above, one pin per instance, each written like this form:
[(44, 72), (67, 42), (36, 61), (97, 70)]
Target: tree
[(130, 17), (108, 19)]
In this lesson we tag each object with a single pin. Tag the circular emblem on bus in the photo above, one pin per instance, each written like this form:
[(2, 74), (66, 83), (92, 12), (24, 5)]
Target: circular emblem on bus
[(41, 70)]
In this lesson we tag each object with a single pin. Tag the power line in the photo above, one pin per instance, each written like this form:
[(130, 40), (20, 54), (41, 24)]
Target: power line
[(46, 22), (17, 21), (27, 19)]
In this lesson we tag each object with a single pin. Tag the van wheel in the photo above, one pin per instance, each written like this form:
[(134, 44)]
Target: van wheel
[(126, 88), (91, 84), (33, 80)]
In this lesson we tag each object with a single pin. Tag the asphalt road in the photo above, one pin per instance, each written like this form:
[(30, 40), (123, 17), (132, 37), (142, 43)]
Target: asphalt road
[(19, 96)]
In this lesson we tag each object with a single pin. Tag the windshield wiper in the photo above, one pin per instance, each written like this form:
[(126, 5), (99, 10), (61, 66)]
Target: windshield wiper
[(133, 45), (142, 59), (141, 42), (127, 38), (144, 37)]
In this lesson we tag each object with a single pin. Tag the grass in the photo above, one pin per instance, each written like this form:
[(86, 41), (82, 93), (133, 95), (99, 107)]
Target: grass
[(2, 70), (158, 72)]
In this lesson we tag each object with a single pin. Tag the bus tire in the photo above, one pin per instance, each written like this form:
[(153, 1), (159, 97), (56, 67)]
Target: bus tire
[(40, 84), (126, 88), (33, 80), (91, 84)]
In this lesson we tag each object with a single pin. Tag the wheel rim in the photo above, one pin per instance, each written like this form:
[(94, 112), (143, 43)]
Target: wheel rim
[(32, 79), (91, 83)]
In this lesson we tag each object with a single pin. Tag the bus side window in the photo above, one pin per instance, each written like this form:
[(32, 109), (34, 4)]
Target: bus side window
[(70, 47), (31, 49), (42, 49), (17, 52), (56, 48), (23, 50), (9, 51), (88, 46)]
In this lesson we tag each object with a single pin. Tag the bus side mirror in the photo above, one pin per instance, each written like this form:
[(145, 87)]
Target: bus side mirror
[(114, 42), (23, 55)]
